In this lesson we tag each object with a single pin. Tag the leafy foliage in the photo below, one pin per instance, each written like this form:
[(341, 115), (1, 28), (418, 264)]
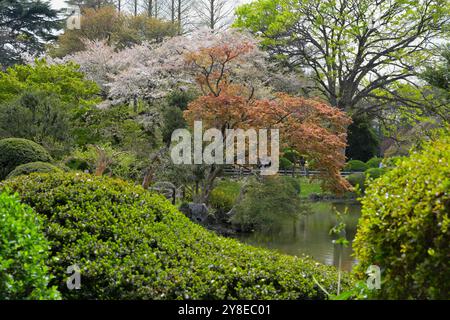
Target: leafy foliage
[(103, 159), (374, 162), (404, 227), (16, 151), (351, 48), (357, 180), (25, 169), (132, 244), (267, 203), (224, 195), (309, 126), (375, 172), (355, 165), (24, 251), (63, 80), (41, 117), (362, 140), (119, 29), (25, 25)]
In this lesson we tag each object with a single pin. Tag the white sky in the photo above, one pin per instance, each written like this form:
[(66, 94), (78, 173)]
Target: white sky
[(58, 4)]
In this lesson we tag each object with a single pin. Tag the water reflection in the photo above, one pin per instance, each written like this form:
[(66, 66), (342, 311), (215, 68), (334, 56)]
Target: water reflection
[(310, 235)]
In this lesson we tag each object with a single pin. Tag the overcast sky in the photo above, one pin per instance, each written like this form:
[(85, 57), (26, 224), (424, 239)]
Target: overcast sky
[(58, 4)]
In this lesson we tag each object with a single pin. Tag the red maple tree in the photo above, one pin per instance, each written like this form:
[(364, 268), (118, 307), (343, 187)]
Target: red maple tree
[(310, 126)]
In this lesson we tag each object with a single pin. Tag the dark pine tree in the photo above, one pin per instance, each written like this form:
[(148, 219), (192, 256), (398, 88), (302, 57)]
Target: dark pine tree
[(25, 27)]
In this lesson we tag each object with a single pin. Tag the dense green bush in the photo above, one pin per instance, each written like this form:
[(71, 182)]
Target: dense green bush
[(78, 164), (285, 163), (267, 204), (375, 172), (224, 195), (374, 162), (355, 165), (23, 253), (32, 167), (15, 151), (133, 244), (293, 182), (363, 142), (357, 179), (405, 226), (221, 200), (41, 117)]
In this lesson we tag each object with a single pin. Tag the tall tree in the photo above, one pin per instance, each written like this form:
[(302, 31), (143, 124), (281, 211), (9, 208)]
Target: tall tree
[(25, 26), (351, 48), (311, 127), (119, 30), (215, 14)]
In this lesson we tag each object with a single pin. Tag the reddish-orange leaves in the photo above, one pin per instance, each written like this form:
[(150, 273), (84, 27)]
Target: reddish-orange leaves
[(310, 126)]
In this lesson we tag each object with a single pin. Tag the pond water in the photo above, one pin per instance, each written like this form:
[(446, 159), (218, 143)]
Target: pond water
[(310, 234)]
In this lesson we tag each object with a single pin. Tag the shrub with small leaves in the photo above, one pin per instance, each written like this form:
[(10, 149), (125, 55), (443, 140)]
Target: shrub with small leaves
[(405, 226), (24, 251), (133, 244), (355, 165), (375, 173), (28, 168), (374, 162), (16, 151), (357, 179)]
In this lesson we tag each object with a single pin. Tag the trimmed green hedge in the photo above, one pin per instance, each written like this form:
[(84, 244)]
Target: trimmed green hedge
[(374, 162), (133, 244), (375, 173), (285, 163), (355, 165), (405, 226), (23, 253), (28, 168), (16, 151), (357, 179)]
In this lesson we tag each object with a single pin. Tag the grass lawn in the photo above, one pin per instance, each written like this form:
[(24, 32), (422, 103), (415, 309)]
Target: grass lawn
[(307, 187), (232, 187)]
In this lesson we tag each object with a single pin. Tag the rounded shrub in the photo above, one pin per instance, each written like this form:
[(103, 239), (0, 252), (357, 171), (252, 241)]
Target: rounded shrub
[(78, 164), (375, 173), (357, 179), (374, 162), (293, 182), (28, 168), (224, 195), (355, 165), (221, 200), (405, 226), (285, 163), (16, 151), (133, 244), (23, 253)]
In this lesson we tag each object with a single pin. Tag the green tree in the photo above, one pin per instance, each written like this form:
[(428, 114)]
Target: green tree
[(263, 208), (25, 27), (362, 140), (40, 117), (62, 80), (439, 74), (351, 47)]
